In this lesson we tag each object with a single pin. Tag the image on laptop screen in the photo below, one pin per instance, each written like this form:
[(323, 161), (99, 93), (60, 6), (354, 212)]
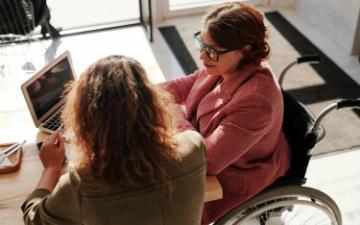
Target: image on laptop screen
[(46, 91)]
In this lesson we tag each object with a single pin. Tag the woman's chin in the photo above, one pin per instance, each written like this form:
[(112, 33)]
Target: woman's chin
[(211, 70)]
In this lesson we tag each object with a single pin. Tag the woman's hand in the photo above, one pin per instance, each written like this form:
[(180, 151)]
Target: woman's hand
[(52, 155), (182, 124), (52, 152), (179, 111)]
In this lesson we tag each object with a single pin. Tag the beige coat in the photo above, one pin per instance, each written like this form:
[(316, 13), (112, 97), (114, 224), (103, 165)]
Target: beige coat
[(80, 200)]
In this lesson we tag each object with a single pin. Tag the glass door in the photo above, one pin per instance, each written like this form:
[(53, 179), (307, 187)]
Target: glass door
[(188, 4), (146, 19), (172, 8), (92, 15)]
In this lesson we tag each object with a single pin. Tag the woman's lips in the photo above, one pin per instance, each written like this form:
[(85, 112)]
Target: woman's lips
[(209, 65)]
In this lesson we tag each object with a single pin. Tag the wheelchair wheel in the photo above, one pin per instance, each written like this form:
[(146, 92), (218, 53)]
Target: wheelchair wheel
[(285, 205)]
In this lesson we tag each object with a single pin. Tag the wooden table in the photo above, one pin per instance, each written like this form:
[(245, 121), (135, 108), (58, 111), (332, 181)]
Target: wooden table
[(213, 189), (15, 187)]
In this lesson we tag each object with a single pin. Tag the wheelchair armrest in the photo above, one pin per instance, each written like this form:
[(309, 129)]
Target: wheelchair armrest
[(320, 132)]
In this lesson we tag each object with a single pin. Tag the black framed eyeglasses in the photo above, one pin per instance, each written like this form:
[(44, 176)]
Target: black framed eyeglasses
[(211, 53)]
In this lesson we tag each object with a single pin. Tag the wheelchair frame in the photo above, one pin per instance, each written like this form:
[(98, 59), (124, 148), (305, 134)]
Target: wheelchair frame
[(287, 194)]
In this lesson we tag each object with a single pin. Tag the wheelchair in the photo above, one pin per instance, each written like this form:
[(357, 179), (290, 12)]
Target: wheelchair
[(287, 200)]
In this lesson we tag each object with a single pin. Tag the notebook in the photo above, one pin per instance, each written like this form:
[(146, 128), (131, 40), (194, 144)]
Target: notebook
[(44, 92)]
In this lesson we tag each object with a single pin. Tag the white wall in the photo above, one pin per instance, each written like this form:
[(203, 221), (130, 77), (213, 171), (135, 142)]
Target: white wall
[(338, 20), (281, 3)]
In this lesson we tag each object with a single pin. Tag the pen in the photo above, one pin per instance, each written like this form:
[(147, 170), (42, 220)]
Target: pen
[(57, 142)]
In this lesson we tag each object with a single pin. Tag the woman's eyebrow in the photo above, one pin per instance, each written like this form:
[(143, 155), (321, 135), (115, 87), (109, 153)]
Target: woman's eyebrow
[(208, 45)]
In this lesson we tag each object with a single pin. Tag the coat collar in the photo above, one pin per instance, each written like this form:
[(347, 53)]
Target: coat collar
[(236, 79), (206, 98)]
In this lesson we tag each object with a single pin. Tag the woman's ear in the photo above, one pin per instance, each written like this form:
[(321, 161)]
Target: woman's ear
[(246, 49)]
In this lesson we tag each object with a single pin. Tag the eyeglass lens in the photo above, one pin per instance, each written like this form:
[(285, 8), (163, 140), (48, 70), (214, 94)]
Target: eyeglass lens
[(200, 46)]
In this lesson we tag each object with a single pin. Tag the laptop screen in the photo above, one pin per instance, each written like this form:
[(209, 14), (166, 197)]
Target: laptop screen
[(46, 91)]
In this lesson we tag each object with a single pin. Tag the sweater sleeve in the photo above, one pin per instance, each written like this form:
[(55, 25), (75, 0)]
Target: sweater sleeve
[(180, 88), (58, 207)]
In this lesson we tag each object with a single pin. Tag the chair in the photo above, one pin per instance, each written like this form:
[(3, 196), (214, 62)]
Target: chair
[(19, 55), (21, 17)]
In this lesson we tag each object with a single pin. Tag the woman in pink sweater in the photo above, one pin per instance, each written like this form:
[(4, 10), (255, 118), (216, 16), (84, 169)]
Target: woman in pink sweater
[(236, 104)]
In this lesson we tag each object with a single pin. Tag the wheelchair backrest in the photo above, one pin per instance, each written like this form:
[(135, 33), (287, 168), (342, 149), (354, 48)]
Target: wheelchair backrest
[(297, 123)]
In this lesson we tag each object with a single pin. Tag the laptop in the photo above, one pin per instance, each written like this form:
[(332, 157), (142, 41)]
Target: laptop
[(44, 92)]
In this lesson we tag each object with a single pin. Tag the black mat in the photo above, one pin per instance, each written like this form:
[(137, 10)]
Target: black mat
[(337, 83), (177, 46)]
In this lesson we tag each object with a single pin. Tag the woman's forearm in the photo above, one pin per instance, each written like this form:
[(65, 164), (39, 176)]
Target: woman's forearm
[(49, 178)]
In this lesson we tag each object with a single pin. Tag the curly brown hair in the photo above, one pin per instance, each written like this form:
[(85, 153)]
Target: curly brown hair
[(122, 123), (234, 25)]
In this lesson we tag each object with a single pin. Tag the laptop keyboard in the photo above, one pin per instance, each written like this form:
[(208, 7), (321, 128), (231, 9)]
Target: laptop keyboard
[(54, 122)]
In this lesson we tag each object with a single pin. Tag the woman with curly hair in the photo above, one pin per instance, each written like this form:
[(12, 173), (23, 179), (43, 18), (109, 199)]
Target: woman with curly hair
[(131, 166), (236, 104)]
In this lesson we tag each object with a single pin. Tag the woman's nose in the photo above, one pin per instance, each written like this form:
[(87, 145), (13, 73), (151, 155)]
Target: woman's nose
[(202, 54)]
